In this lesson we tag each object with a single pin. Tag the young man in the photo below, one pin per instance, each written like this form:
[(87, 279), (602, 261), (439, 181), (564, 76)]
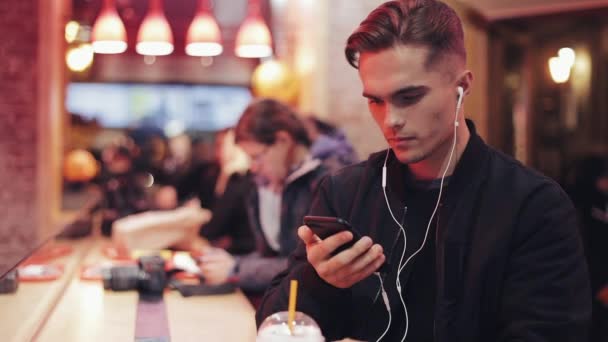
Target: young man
[(478, 247), (278, 146)]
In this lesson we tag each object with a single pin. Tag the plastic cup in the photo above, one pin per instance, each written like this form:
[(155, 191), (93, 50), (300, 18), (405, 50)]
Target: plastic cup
[(275, 329)]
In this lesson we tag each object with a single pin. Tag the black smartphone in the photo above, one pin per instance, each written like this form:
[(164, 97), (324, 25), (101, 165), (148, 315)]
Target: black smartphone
[(326, 226)]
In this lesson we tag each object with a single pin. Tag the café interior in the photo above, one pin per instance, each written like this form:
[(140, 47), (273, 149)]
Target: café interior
[(119, 158)]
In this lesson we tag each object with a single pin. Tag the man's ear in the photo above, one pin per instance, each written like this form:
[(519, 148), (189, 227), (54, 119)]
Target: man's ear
[(466, 81)]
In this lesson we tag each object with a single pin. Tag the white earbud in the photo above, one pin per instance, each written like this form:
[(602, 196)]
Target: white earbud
[(384, 172), (459, 104)]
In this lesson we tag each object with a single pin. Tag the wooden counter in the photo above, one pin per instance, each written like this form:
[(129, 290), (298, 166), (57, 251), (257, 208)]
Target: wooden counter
[(86, 312), (24, 312)]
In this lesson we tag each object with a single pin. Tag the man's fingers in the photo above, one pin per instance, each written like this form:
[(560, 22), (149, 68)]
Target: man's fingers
[(363, 260), (366, 271), (347, 267), (346, 257), (307, 236), (358, 263), (330, 244)]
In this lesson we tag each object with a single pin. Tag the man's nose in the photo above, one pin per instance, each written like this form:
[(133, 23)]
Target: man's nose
[(393, 118)]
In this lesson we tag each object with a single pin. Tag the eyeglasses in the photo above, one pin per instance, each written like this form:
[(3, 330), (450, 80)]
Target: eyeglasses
[(256, 158)]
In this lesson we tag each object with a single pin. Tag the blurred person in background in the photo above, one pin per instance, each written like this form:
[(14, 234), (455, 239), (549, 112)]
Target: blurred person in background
[(329, 144), (153, 154), (179, 163), (279, 149), (200, 180), (123, 189), (229, 227)]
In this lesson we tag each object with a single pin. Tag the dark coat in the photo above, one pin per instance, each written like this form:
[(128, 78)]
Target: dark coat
[(509, 259), (256, 270)]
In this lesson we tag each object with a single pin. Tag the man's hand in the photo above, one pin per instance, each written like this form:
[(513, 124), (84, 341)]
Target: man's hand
[(347, 267), (216, 266)]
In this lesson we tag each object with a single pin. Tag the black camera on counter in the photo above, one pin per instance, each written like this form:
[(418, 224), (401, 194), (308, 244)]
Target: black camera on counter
[(148, 276), (9, 282)]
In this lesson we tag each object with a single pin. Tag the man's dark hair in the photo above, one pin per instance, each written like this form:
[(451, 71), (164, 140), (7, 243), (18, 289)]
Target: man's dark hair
[(429, 23), (264, 118)]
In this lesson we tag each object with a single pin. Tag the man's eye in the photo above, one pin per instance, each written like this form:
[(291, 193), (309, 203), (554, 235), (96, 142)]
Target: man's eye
[(373, 101), (407, 100)]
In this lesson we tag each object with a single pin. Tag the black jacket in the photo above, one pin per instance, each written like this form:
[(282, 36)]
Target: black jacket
[(509, 261), (256, 270), (230, 218)]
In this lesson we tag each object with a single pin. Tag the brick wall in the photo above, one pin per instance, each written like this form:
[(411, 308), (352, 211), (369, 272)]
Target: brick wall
[(346, 105), (18, 127), (330, 88)]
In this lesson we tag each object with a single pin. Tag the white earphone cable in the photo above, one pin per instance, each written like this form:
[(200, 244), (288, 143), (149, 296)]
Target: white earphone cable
[(402, 265)]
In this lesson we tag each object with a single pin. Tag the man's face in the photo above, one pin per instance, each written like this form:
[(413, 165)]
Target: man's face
[(412, 104), (268, 161)]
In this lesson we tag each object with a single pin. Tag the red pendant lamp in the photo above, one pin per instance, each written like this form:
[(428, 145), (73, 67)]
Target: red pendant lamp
[(253, 39), (109, 34), (204, 37), (155, 37)]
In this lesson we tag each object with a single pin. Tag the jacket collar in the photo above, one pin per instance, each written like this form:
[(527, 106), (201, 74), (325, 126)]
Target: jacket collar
[(466, 171), (309, 165), (464, 182)]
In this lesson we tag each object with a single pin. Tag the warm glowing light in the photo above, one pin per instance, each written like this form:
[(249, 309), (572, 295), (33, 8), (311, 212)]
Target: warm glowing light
[(270, 71), (305, 59), (71, 31), (560, 69), (80, 166), (561, 66), (276, 80), (206, 61), (253, 39), (203, 38), (109, 34), (567, 55), (204, 49), (79, 58), (149, 60), (155, 37)]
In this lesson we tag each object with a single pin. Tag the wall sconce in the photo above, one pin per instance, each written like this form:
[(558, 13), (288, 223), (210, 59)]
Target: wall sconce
[(79, 58), (560, 66)]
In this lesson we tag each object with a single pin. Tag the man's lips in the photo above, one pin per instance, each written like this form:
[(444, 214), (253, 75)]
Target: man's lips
[(401, 139)]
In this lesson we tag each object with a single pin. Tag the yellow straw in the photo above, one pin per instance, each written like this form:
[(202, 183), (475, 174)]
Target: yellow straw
[(293, 293)]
